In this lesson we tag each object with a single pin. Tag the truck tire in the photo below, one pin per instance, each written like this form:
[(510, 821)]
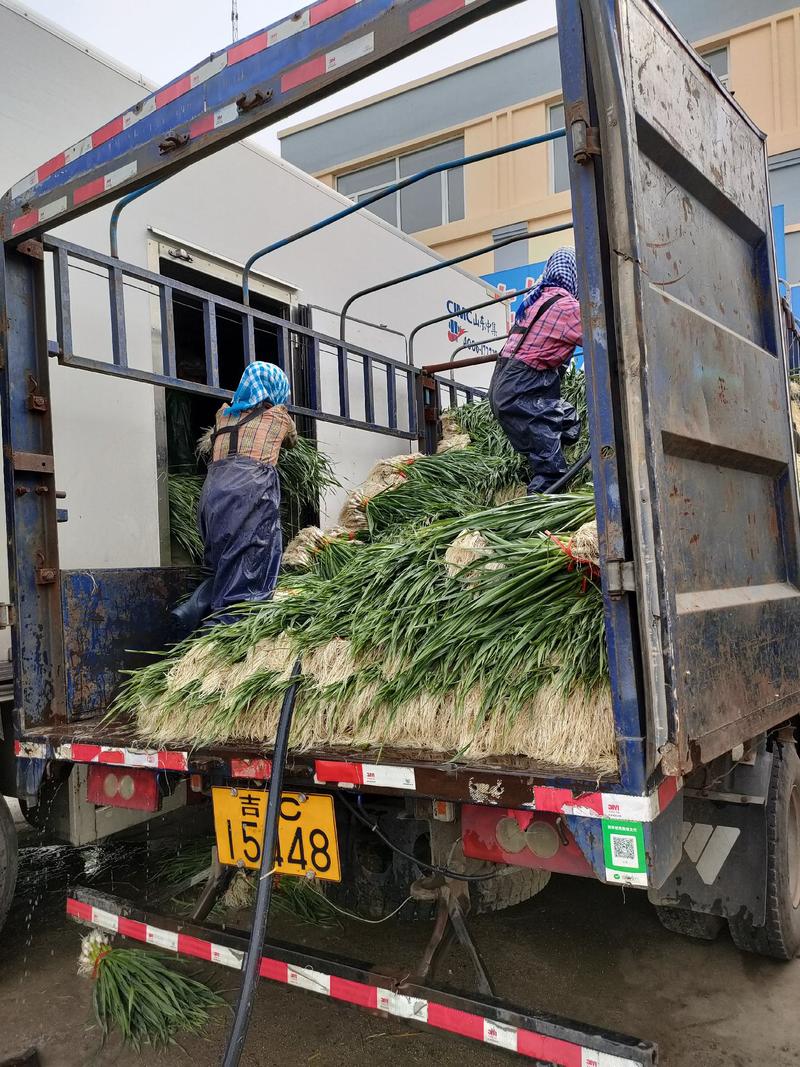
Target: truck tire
[(513, 885), (780, 936), (376, 881), (694, 924), (8, 860)]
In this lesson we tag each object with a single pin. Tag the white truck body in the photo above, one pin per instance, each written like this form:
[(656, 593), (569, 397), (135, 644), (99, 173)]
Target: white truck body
[(117, 502)]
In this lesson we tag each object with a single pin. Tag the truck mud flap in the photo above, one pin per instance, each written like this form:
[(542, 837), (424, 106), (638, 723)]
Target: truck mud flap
[(723, 865), (541, 1037)]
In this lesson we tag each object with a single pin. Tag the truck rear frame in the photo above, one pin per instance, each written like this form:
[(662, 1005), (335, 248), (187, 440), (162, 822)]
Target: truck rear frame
[(674, 429)]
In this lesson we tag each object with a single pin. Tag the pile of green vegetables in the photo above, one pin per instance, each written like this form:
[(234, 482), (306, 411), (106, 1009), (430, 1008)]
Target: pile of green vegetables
[(502, 654), (397, 651), (458, 481)]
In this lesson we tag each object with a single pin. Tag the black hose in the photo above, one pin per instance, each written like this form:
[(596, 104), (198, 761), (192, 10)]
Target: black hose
[(576, 468), (252, 959)]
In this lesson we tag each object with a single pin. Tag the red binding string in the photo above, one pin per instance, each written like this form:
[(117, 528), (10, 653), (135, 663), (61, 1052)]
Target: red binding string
[(576, 561), (98, 958)]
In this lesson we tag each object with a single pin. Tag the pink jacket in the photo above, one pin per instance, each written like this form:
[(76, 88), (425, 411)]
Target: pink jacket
[(553, 338)]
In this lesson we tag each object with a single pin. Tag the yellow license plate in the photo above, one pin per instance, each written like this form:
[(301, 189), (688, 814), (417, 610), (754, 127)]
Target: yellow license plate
[(306, 832)]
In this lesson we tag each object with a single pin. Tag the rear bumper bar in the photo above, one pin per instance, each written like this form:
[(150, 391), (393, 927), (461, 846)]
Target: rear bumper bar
[(541, 1037), (475, 784)]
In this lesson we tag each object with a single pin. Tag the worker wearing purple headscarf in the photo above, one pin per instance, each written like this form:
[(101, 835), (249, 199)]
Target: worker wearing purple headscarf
[(525, 394)]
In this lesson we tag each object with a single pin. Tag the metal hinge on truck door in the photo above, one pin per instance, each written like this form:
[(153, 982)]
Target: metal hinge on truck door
[(585, 138), (620, 577)]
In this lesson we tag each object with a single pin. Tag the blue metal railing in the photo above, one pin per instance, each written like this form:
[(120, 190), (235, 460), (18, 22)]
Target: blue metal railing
[(452, 262), (328, 396), (287, 334), (119, 207), (404, 183)]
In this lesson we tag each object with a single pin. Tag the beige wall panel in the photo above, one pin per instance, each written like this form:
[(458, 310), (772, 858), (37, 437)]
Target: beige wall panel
[(751, 61)]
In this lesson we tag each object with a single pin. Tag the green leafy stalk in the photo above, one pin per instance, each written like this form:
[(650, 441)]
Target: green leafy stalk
[(141, 996), (184, 496)]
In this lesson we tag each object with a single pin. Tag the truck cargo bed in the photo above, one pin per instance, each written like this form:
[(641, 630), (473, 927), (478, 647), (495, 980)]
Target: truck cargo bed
[(508, 780)]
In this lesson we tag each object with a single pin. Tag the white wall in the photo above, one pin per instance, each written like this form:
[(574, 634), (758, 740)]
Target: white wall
[(52, 93)]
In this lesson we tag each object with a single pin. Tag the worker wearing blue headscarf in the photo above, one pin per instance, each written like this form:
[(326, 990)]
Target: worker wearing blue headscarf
[(525, 394), (240, 506)]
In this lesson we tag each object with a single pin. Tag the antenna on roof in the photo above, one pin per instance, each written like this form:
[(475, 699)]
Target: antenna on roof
[(235, 20)]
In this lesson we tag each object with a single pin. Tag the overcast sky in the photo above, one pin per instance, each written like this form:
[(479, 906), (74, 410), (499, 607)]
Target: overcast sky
[(162, 38)]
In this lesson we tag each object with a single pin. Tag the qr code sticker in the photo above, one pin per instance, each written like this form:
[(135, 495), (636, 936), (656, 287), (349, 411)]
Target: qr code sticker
[(624, 852)]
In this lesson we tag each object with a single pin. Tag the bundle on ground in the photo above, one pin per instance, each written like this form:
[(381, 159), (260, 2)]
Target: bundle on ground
[(399, 651), (298, 898), (138, 994)]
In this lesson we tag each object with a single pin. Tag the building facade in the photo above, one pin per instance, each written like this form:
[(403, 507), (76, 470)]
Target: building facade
[(753, 46)]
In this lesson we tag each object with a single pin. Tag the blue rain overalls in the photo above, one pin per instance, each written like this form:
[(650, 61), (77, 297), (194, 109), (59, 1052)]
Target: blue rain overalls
[(528, 405), (240, 523)]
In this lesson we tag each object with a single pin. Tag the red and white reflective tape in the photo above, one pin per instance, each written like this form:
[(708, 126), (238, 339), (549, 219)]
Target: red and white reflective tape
[(434, 10), (94, 140), (212, 120), (77, 752), (251, 768), (605, 805), (123, 757), (561, 801), (105, 182), (348, 775), (330, 61), (242, 50), (452, 1020), (301, 20), (42, 214), (30, 749)]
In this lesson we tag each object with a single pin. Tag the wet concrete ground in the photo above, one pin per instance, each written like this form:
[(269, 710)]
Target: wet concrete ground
[(579, 949)]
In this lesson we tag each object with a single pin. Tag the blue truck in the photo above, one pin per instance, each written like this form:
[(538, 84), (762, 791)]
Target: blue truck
[(694, 478)]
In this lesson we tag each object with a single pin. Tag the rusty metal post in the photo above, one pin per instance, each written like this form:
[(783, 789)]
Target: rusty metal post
[(30, 491)]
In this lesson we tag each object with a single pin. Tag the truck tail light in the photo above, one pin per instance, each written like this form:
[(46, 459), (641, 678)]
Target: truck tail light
[(123, 787), (522, 839)]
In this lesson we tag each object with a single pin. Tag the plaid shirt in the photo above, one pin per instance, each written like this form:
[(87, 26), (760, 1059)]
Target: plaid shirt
[(261, 438), (553, 338)]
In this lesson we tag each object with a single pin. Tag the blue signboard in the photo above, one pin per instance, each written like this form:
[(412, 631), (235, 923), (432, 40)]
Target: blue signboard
[(779, 228)]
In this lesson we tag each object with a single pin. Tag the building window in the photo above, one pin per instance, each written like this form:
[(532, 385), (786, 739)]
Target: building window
[(559, 162), (434, 201), (717, 59), (363, 183), (512, 255)]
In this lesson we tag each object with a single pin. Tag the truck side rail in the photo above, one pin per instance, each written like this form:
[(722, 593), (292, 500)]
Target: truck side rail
[(249, 84), (319, 353)]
